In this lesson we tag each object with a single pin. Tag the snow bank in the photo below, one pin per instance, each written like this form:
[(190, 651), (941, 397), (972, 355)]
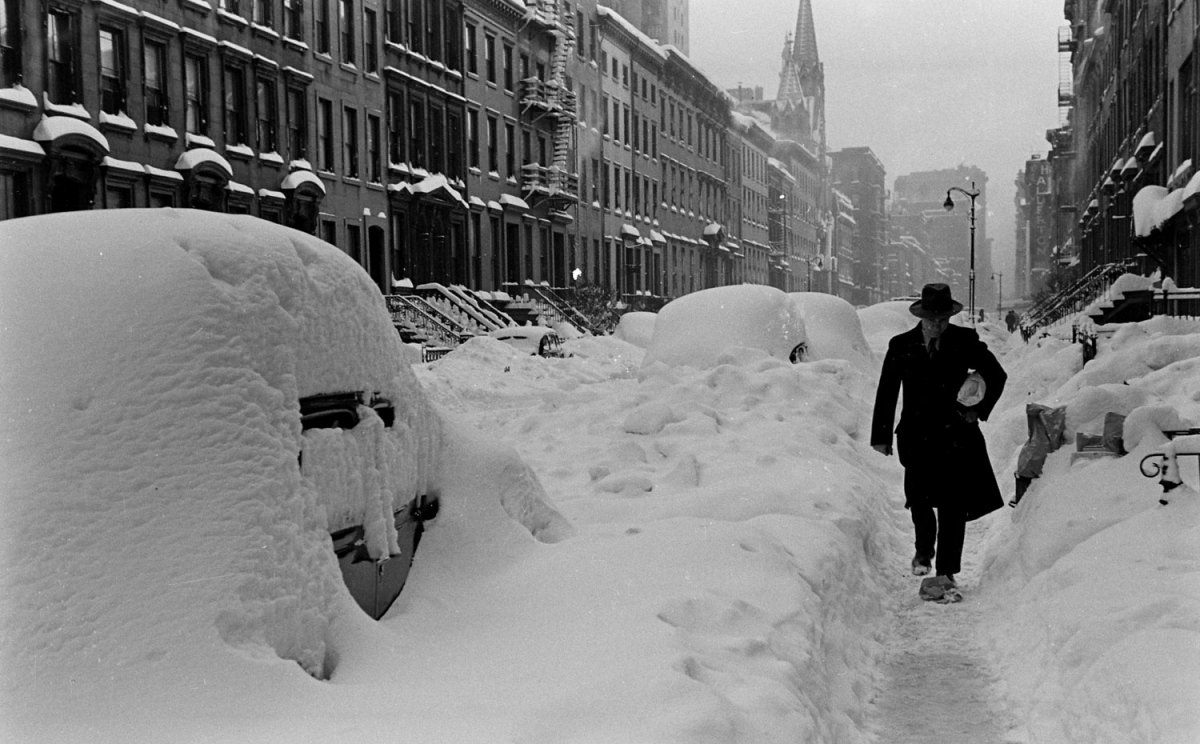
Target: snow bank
[(883, 320), (150, 442), (700, 328), (834, 329), (1093, 585), (637, 328)]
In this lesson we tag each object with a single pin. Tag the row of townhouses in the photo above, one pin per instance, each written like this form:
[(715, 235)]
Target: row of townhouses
[(487, 143), (1120, 183)]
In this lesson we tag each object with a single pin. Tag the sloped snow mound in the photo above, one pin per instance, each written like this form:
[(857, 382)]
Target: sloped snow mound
[(697, 329), (637, 328), (883, 320), (834, 329)]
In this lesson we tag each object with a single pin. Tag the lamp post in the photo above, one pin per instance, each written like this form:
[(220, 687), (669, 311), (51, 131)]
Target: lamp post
[(949, 205), (1000, 291)]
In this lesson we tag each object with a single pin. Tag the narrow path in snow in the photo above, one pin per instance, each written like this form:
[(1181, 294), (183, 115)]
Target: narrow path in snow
[(938, 687)]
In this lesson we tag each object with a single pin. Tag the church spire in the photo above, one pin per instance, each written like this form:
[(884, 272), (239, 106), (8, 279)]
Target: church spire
[(804, 43)]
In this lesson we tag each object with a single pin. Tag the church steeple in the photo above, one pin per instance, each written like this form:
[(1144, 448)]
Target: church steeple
[(804, 43), (800, 105)]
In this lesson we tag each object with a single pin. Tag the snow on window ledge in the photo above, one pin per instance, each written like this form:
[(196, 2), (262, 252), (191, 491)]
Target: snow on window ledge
[(159, 131), (73, 109), (239, 151), (119, 121), (271, 157), (199, 140), (18, 96)]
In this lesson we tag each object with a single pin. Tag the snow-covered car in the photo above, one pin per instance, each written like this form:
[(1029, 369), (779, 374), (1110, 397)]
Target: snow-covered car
[(534, 340), (194, 409)]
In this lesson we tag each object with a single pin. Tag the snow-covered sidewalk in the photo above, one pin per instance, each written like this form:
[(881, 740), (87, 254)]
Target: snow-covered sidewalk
[(937, 685)]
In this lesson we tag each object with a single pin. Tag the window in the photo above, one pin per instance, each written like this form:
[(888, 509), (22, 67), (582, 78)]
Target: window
[(374, 154), (329, 230), (471, 52), (325, 134), (395, 127), (415, 26), (351, 142), (112, 70), (354, 241), (416, 133), (230, 6), (433, 29), (454, 144), (393, 22), (266, 109), (489, 57), (510, 150), (297, 113), (235, 105), (10, 43), (346, 19), (508, 67), (492, 135), (293, 19), (321, 24), (579, 31), (154, 62), (526, 148), (62, 48), (473, 139), (437, 140), (264, 13), (195, 86), (370, 47), (452, 20)]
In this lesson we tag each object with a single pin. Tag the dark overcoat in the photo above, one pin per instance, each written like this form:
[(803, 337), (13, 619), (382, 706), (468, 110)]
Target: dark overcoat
[(944, 456)]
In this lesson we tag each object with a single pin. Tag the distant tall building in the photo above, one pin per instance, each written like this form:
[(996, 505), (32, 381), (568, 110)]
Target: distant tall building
[(667, 21), (949, 232)]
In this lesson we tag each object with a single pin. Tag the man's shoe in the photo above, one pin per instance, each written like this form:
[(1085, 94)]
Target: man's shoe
[(941, 589), (921, 565)]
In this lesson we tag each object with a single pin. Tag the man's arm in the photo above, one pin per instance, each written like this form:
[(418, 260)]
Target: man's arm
[(884, 415), (985, 363)]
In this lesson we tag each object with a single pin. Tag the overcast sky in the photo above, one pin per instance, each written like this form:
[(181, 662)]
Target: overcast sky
[(926, 84)]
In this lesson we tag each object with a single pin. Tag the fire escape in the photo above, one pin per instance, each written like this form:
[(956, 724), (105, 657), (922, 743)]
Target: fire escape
[(1062, 146), (556, 184)]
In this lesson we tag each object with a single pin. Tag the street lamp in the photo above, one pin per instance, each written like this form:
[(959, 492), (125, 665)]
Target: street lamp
[(949, 205)]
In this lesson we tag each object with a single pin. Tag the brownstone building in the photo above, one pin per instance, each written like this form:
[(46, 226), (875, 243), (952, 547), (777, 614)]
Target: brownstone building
[(1134, 128)]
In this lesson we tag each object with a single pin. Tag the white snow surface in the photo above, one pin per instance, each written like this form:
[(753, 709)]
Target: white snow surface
[(706, 328), (626, 552), (636, 327)]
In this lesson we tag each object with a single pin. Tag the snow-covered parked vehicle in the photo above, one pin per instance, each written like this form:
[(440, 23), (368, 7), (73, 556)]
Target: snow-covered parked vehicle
[(223, 397), (533, 339)]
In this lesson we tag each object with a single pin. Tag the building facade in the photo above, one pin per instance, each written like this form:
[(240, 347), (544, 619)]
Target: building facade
[(1135, 130)]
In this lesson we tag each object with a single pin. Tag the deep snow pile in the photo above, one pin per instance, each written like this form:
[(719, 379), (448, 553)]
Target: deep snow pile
[(166, 558), (1095, 586), (702, 328), (834, 329)]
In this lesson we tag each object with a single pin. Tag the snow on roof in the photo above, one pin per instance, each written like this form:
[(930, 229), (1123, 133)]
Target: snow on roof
[(198, 155), (1153, 206), (712, 228), (515, 202), (650, 44), (297, 177), (51, 128), (1193, 187), (438, 182)]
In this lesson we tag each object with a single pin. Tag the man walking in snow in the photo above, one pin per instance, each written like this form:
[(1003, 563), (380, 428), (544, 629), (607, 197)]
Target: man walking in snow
[(946, 466)]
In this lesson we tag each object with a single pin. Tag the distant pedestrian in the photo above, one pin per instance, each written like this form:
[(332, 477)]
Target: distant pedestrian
[(1011, 320), (946, 465)]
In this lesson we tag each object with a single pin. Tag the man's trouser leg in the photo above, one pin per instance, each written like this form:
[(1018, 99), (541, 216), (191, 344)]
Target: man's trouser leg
[(925, 524), (951, 531)]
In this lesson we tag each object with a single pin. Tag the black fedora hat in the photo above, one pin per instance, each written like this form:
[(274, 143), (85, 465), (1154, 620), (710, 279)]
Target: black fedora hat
[(935, 302)]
